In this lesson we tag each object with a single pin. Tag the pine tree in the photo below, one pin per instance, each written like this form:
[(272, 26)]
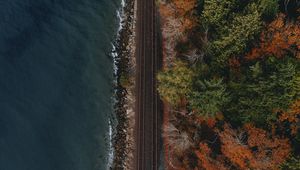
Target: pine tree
[(175, 83), (268, 8), (209, 98), (215, 12), (292, 164), (267, 87), (235, 39)]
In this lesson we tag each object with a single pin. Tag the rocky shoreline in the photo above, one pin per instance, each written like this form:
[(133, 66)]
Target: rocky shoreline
[(123, 141)]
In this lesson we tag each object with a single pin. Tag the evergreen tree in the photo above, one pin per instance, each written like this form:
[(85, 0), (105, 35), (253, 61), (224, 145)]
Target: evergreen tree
[(265, 89), (216, 12), (235, 39), (268, 8), (292, 164), (175, 83), (209, 98)]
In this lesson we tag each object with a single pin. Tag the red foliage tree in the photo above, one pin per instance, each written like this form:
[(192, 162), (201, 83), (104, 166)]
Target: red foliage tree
[(234, 147), (279, 38), (292, 116), (253, 148), (206, 161)]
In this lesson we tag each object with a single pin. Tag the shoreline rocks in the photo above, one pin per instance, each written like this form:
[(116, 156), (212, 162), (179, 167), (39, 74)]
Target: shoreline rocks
[(123, 141)]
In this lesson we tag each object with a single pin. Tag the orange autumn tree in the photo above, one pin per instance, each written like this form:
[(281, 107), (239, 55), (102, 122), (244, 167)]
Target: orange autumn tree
[(292, 116), (280, 37), (253, 148), (184, 6), (176, 20), (271, 150), (234, 147), (206, 161), (183, 9)]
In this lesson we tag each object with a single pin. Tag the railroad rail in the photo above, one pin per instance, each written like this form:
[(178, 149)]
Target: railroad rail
[(148, 117)]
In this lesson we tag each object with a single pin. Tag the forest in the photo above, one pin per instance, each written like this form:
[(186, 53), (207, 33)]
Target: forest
[(231, 83)]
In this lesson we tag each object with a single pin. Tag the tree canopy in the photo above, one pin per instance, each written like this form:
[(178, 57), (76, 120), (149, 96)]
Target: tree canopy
[(175, 83), (232, 78), (209, 98)]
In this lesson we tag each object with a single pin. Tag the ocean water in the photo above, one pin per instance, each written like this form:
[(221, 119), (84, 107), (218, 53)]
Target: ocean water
[(56, 83)]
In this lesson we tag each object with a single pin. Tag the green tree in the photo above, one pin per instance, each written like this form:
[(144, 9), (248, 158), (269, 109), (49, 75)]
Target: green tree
[(233, 25), (209, 98), (292, 164), (268, 8), (266, 88), (237, 36), (175, 83), (216, 12)]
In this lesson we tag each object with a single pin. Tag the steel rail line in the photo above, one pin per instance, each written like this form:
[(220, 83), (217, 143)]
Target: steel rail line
[(147, 124)]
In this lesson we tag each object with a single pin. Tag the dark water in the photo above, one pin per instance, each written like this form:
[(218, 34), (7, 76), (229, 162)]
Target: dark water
[(55, 83)]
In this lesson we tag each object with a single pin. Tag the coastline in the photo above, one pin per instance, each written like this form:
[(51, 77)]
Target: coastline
[(124, 143), (123, 139), (125, 91)]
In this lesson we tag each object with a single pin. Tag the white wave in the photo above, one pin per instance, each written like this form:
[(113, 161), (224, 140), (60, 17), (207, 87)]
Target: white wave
[(111, 150), (114, 54)]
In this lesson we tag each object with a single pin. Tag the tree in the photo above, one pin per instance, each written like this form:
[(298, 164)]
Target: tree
[(292, 115), (174, 24), (232, 26), (178, 141), (269, 150), (265, 88), (206, 161), (234, 147), (184, 6), (209, 97), (292, 164), (177, 144), (237, 35), (281, 37), (253, 148), (215, 12), (268, 8), (175, 83)]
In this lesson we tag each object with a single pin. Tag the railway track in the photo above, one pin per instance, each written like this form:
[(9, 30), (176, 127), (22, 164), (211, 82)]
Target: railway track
[(148, 119)]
